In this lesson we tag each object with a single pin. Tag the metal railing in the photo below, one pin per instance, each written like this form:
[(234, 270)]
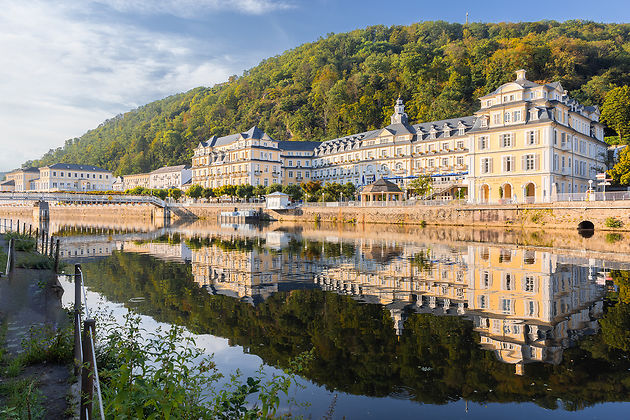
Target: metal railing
[(79, 198), (85, 351), (593, 196), (44, 244)]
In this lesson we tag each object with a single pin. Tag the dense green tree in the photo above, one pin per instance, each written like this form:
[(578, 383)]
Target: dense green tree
[(347, 83), (245, 191), (194, 191), (175, 193), (208, 193), (274, 188), (260, 190), (420, 186), (294, 191), (620, 173), (349, 190), (616, 111), (311, 189), (160, 193)]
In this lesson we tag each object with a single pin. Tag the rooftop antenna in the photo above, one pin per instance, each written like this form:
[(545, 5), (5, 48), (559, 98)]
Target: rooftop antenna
[(466, 18)]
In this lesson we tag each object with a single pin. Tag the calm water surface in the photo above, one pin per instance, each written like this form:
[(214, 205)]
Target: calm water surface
[(404, 323)]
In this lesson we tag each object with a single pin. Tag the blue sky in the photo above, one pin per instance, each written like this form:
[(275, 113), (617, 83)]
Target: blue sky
[(67, 65)]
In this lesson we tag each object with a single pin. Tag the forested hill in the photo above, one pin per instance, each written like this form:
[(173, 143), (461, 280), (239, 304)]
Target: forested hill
[(347, 83)]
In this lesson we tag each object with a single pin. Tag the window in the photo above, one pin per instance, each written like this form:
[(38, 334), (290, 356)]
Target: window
[(529, 284), (508, 163), (290, 174), (54, 174), (517, 116), (445, 162), (532, 138), (460, 144), (496, 119), (505, 255), (506, 140), (486, 280), (486, 165), (507, 117), (530, 306), (460, 160), (483, 302), (530, 162), (506, 306), (509, 282), (483, 143), (445, 146)]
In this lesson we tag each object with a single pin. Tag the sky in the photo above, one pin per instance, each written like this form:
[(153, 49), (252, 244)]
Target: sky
[(68, 65)]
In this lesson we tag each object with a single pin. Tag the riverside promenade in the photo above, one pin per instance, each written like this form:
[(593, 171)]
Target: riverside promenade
[(611, 215)]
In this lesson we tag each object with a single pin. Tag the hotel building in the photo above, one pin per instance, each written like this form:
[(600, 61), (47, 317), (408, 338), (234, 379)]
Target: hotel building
[(532, 143), (529, 142)]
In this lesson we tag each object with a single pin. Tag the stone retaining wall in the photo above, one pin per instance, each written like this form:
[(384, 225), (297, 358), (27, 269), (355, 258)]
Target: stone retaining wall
[(556, 215)]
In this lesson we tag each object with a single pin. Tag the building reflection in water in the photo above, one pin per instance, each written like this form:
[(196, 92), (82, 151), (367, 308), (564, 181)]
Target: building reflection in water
[(526, 304)]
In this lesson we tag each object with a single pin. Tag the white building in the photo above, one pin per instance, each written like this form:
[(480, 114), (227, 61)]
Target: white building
[(170, 177), (277, 200)]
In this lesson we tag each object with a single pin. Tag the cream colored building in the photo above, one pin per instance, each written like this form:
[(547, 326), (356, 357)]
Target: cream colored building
[(533, 143), (398, 153), (72, 177), (21, 179), (252, 157), (136, 180)]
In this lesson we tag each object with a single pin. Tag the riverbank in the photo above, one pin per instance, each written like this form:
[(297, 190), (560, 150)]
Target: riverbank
[(34, 375), (609, 216)]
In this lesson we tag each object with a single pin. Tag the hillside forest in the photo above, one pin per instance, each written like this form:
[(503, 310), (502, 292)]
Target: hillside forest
[(347, 83)]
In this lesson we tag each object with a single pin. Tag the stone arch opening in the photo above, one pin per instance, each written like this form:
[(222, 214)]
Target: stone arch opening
[(586, 225), (485, 193)]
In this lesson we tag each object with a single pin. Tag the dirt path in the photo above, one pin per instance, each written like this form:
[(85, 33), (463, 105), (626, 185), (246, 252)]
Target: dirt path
[(32, 299)]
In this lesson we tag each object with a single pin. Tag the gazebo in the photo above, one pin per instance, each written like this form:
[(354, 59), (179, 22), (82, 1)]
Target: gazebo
[(381, 190)]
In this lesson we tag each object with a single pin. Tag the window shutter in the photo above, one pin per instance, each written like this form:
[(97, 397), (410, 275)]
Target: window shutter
[(490, 165), (524, 162), (537, 162)]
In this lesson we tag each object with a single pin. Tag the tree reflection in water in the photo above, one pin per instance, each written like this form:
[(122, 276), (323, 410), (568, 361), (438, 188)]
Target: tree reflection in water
[(384, 317)]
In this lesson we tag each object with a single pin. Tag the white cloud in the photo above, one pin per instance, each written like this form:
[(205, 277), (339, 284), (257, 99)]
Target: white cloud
[(187, 8), (62, 73)]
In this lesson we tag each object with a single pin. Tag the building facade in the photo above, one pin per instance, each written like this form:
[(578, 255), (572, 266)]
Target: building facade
[(532, 143), (72, 177), (252, 157), (529, 142), (136, 180), (21, 179), (170, 177)]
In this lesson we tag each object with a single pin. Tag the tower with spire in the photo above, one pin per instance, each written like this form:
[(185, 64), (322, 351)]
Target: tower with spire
[(399, 116)]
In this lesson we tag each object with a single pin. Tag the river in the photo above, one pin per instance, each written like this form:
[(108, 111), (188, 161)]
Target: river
[(402, 322)]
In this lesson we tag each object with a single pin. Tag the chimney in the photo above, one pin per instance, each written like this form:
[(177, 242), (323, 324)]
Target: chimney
[(520, 74)]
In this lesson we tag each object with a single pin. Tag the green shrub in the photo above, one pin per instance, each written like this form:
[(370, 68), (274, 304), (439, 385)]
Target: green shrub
[(164, 375), (35, 261), (22, 242), (612, 222)]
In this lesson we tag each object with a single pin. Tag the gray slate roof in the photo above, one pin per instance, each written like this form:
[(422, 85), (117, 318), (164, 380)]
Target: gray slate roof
[(165, 169), (75, 167), (252, 133), (298, 145)]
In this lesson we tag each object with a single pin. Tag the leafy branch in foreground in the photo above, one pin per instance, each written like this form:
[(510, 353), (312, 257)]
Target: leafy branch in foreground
[(164, 375)]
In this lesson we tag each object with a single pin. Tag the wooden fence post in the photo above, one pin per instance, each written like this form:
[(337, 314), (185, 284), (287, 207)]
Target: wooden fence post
[(87, 371), (57, 257), (77, 318), (12, 251)]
